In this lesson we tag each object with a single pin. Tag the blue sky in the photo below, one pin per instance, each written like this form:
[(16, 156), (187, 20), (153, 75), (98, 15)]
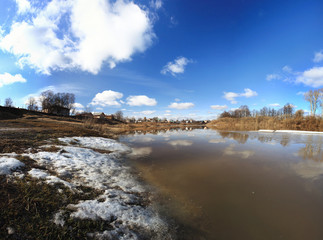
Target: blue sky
[(165, 58)]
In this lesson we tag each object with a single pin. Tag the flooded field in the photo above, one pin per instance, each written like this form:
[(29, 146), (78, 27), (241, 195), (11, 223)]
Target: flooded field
[(235, 185)]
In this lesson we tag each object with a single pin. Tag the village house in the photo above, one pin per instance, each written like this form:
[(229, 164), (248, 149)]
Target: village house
[(57, 110)]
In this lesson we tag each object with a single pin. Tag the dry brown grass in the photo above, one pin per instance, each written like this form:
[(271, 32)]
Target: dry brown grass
[(256, 123)]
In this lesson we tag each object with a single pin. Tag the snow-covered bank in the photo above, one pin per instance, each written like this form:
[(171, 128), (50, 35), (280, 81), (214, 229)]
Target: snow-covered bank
[(289, 131), (121, 200)]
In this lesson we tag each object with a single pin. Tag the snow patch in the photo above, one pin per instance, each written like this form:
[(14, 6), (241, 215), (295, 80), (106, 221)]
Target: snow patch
[(289, 131), (58, 218), (97, 143), (9, 164), (41, 174), (121, 202)]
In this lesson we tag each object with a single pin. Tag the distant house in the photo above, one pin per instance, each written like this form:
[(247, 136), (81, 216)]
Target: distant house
[(109, 117), (99, 115), (84, 116), (58, 110)]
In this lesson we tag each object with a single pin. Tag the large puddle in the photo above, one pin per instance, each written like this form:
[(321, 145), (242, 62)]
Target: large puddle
[(235, 185)]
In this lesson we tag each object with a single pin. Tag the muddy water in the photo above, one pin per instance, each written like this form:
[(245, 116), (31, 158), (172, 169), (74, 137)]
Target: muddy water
[(236, 185)]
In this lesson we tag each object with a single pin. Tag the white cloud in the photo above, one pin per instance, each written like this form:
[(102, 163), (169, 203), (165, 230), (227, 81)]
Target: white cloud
[(180, 106), (312, 77), (107, 98), (156, 4), (248, 93), (147, 112), (287, 69), (274, 105), (177, 100), (318, 57), (78, 34), (176, 67), (7, 79), (141, 100), (231, 96), (78, 105), (270, 77), (23, 6), (300, 93), (168, 111), (219, 107)]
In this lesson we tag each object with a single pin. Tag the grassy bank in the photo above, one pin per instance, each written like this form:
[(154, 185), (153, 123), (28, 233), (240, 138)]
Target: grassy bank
[(262, 122), (28, 204)]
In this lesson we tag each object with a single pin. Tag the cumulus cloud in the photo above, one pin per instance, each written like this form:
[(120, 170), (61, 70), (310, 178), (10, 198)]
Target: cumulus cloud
[(23, 6), (78, 34), (300, 93), (274, 105), (7, 79), (312, 77), (318, 57), (180, 106), (176, 67), (141, 100), (231, 96), (146, 112), (78, 105), (107, 98), (219, 107), (270, 77)]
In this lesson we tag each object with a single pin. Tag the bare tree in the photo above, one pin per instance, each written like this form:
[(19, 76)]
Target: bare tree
[(118, 115), (313, 97), (288, 110), (8, 102), (49, 99), (32, 104), (321, 101)]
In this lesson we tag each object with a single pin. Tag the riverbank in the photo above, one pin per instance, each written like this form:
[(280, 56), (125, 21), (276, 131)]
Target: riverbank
[(256, 123), (61, 179)]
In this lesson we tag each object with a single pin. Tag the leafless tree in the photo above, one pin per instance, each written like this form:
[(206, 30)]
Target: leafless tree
[(288, 110), (8, 102), (32, 104), (118, 115), (49, 99), (313, 97)]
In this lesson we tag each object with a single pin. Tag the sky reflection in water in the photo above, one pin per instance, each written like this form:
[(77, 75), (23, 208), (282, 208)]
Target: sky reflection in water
[(235, 185)]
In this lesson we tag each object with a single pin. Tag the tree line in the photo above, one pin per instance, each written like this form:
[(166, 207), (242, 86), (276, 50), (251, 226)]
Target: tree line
[(48, 99), (243, 111), (313, 97)]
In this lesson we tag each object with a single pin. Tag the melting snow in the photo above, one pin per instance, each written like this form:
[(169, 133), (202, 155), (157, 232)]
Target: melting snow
[(40, 174), (8, 165), (121, 201), (97, 143)]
